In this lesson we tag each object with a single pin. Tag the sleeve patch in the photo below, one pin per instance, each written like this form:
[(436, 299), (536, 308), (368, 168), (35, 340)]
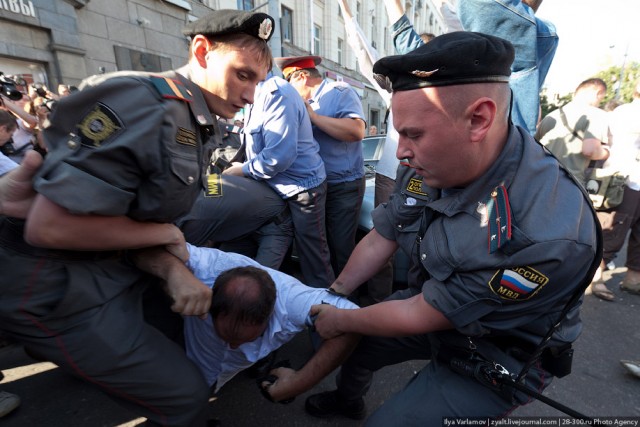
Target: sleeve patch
[(98, 126), (518, 283)]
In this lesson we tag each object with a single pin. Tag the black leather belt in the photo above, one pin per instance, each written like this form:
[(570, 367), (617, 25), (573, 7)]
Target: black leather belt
[(12, 237)]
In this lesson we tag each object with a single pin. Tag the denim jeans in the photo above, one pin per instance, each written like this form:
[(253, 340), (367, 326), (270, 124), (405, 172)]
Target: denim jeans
[(535, 42)]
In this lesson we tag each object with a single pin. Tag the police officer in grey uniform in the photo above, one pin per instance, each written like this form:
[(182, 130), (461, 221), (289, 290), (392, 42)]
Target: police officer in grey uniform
[(502, 235), (127, 156)]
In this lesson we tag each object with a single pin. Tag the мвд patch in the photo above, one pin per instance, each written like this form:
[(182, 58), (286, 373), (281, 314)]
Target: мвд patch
[(518, 283)]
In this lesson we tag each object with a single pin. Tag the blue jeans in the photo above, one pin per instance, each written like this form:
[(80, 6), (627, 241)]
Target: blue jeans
[(535, 42)]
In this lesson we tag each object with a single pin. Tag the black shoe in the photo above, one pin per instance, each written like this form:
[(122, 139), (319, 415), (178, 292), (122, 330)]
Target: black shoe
[(328, 404)]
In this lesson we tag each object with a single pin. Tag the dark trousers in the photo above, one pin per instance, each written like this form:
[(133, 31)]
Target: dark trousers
[(617, 223), (86, 317), (308, 215), (380, 286), (434, 392), (344, 200)]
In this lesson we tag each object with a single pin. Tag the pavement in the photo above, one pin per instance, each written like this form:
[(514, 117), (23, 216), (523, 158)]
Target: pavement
[(599, 386)]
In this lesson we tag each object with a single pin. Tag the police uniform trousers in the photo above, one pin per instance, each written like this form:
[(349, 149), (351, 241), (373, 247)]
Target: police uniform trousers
[(380, 286), (308, 216), (344, 200), (433, 393), (83, 312)]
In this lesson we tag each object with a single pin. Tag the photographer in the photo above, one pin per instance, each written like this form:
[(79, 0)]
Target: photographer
[(24, 137), (8, 126)]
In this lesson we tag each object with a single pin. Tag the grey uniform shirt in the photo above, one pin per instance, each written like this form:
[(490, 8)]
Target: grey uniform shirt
[(125, 145), (519, 289)]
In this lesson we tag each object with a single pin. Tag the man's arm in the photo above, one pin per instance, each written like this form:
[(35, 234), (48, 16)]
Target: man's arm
[(331, 354), (30, 121), (394, 318), (594, 149), (345, 129), (16, 190), (190, 296), (371, 253), (52, 226)]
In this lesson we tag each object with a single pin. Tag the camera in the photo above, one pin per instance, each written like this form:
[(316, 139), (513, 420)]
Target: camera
[(8, 148), (50, 104), (40, 90), (8, 88)]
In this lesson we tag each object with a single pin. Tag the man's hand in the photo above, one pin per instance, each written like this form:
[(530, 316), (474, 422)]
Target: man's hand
[(285, 386), (16, 190), (234, 169), (190, 296), (326, 320)]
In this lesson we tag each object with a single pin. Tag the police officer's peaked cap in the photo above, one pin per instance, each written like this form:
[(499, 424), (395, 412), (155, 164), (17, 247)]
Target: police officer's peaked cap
[(289, 64), (230, 21), (455, 58)]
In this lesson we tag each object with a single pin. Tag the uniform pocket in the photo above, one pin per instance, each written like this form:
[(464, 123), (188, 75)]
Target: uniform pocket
[(183, 157)]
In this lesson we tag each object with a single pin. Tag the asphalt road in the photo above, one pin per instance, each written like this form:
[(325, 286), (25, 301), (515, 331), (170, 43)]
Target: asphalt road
[(598, 386)]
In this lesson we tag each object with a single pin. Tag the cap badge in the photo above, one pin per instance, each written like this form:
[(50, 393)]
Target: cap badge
[(265, 29), (383, 81), (423, 74)]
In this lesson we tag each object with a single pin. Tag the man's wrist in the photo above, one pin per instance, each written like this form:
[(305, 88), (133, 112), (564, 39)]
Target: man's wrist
[(336, 292)]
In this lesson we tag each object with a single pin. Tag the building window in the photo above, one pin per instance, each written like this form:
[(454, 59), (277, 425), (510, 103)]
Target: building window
[(246, 4), (386, 40), (374, 32), (374, 119), (340, 48), (317, 40), (286, 24)]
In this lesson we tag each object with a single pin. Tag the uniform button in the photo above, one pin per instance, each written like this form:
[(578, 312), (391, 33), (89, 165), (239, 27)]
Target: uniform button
[(201, 119), (72, 144), (399, 226), (190, 180), (423, 257)]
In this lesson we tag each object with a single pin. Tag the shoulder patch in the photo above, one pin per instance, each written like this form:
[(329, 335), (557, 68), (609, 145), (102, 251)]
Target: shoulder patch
[(171, 89), (518, 283), (98, 126)]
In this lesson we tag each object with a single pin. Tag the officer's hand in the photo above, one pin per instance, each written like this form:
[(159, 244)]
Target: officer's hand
[(326, 321), (16, 190), (179, 247), (190, 296), (283, 388), (311, 111), (234, 169)]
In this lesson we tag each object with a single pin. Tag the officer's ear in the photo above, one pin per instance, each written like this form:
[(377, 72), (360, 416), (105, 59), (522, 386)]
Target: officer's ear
[(481, 114), (200, 46)]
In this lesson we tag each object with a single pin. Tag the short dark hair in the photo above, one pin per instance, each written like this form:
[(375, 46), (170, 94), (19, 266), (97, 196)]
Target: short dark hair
[(310, 72), (248, 301), (8, 119)]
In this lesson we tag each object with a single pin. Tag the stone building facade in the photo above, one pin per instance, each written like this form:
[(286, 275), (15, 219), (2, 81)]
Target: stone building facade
[(64, 41)]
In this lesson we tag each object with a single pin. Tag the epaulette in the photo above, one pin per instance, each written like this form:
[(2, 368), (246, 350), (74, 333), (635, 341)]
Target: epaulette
[(171, 89), (270, 86)]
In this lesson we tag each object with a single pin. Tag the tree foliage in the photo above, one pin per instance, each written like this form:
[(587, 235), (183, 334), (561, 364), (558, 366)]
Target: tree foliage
[(612, 75)]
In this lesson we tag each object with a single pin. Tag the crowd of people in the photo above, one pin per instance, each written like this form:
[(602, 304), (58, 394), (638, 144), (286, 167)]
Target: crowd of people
[(179, 287)]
